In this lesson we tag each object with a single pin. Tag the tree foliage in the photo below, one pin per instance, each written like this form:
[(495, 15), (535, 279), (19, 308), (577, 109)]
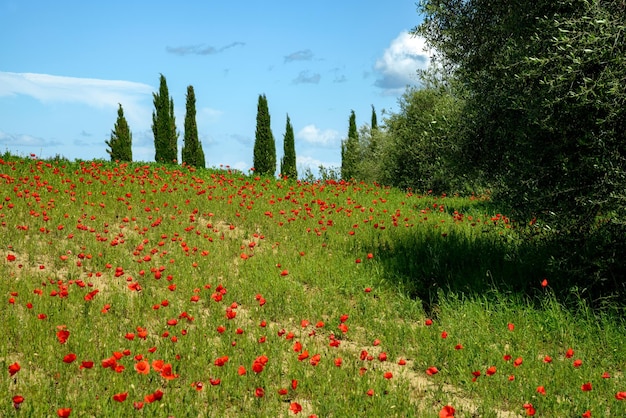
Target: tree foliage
[(164, 125), (544, 117), (350, 150), (192, 153), (264, 144), (121, 142), (288, 161)]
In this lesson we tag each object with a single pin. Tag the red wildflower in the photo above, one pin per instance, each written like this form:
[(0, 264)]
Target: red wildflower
[(14, 368), (166, 372), (586, 387), (518, 362), (284, 272), (569, 353), (432, 370), (547, 359), (577, 363), (63, 335), (587, 414), (530, 410), (338, 362), (215, 382), (388, 375), (304, 355), (294, 384), (428, 322), (444, 335), (142, 367), (282, 391), (402, 362), (220, 361), (447, 412), (370, 392), (11, 257), (259, 392), (137, 405), (17, 400), (69, 358), (511, 326), (297, 346), (315, 359), (120, 397), (544, 283), (620, 396), (382, 356), (64, 412), (491, 371), (541, 390), (241, 371), (295, 407), (86, 365)]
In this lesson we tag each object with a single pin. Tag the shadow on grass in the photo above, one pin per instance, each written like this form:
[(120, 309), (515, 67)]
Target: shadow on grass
[(424, 263)]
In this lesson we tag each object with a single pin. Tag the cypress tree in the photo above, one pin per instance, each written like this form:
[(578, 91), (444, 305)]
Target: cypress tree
[(288, 162), (374, 119), (164, 125), (121, 140), (192, 153), (350, 150), (264, 145)]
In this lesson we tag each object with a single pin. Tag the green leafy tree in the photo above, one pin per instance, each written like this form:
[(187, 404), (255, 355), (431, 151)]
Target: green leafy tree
[(350, 150), (288, 161), (264, 145), (192, 152), (164, 125), (545, 116), (121, 142)]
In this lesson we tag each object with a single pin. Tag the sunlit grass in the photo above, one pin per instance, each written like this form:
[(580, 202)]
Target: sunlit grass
[(147, 263)]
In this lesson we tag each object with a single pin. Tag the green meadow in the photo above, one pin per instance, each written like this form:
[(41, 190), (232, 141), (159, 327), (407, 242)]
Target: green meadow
[(151, 290)]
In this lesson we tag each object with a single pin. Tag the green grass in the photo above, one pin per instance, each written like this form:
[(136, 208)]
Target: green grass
[(314, 253)]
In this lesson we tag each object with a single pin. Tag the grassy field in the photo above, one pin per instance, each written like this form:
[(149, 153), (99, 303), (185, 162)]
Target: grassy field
[(146, 290)]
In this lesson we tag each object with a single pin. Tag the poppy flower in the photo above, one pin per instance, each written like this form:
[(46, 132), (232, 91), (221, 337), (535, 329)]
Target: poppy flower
[(86, 365), (69, 358), (259, 392), (444, 335), (432, 371), (14, 368), (587, 414), (295, 407), (428, 322), (620, 396), (282, 391), (137, 405), (294, 384), (297, 346), (541, 390), (370, 392), (63, 335), (241, 371), (315, 359), (388, 375), (586, 387), (569, 353), (511, 326), (402, 362), (544, 283), (142, 367), (382, 356), (17, 400), (120, 397), (64, 412), (530, 410), (577, 363), (447, 412), (491, 371), (11, 257), (518, 362), (304, 355), (547, 359), (338, 362)]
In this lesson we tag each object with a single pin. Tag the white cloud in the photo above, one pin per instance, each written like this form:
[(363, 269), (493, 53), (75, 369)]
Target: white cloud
[(24, 140), (313, 135), (90, 91), (210, 115), (397, 67)]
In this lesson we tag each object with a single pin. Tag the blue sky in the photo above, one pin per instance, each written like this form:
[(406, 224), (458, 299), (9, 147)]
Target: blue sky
[(66, 65)]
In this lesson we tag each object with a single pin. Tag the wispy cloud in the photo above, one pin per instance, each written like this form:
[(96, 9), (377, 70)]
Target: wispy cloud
[(305, 78), (315, 136), (90, 91), (200, 49), (302, 55), (23, 140), (398, 66)]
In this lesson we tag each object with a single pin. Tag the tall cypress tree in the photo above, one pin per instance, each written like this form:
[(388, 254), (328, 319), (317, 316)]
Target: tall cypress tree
[(374, 119), (121, 140), (164, 125), (264, 145), (350, 150), (288, 162), (192, 153)]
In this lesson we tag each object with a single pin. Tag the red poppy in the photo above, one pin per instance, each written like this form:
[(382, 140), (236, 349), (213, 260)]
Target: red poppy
[(447, 412), (530, 410), (297, 346), (402, 362), (518, 362), (215, 382), (370, 392), (577, 363), (428, 322), (541, 390), (166, 372), (587, 414), (304, 355), (241, 371), (69, 358), (282, 391), (14, 368), (138, 405), (547, 359), (388, 375), (259, 392), (295, 407), (569, 353), (142, 367), (338, 362), (120, 397), (491, 371), (294, 384), (382, 356), (444, 335), (620, 396), (63, 335), (17, 400), (586, 387), (64, 412), (511, 326), (220, 361), (315, 359), (544, 283), (432, 370), (11, 257)]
